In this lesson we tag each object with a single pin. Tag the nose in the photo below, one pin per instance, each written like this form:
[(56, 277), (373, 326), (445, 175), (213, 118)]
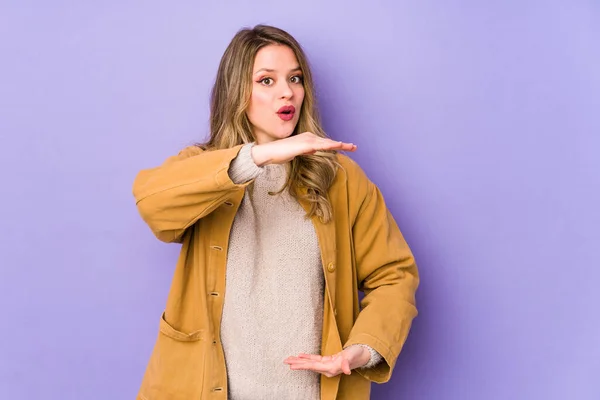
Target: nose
[(285, 90)]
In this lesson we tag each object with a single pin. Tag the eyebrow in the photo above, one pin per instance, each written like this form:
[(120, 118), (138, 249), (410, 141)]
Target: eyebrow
[(272, 70)]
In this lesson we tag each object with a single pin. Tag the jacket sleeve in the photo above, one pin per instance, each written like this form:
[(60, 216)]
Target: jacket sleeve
[(186, 187), (388, 276)]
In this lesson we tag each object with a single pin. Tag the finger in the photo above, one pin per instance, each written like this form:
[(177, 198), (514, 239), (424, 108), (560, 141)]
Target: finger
[(295, 360), (346, 366), (307, 365), (313, 363), (332, 144), (305, 357), (348, 147), (328, 144), (298, 362), (342, 146), (313, 357), (320, 368), (329, 371), (299, 359)]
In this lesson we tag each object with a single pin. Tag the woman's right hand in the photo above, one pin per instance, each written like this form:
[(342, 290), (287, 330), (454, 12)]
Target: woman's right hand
[(284, 150)]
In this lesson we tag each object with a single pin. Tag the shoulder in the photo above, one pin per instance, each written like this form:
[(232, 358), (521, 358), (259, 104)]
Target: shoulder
[(190, 151), (363, 196), (352, 184), (355, 177), (183, 154)]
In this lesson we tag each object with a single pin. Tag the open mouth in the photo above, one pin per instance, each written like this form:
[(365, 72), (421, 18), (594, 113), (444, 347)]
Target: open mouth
[(286, 113)]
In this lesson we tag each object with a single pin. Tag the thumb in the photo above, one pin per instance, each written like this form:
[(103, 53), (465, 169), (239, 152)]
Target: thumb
[(346, 366)]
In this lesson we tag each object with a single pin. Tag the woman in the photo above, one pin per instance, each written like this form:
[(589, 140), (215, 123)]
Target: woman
[(279, 232)]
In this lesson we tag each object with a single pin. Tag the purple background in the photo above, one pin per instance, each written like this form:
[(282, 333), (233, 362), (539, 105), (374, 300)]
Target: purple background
[(478, 120)]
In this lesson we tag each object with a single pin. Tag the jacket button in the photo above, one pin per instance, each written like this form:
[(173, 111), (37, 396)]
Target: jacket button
[(331, 267)]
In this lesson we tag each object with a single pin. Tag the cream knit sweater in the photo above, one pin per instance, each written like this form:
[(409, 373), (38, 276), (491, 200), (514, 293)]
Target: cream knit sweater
[(274, 290)]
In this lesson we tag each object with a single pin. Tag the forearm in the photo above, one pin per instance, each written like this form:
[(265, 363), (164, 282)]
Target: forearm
[(187, 187)]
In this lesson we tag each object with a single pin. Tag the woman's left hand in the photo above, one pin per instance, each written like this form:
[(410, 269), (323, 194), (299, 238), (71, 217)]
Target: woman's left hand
[(343, 362)]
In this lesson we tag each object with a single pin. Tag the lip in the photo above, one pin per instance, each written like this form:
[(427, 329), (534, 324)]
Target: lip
[(289, 109), (286, 113)]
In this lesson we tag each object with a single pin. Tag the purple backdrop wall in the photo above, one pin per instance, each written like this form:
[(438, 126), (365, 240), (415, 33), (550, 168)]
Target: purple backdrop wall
[(478, 120)]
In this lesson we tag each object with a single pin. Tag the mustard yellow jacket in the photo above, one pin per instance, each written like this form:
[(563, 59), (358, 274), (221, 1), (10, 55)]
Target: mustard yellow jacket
[(190, 199)]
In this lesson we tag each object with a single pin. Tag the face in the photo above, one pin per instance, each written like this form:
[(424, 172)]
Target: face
[(277, 94)]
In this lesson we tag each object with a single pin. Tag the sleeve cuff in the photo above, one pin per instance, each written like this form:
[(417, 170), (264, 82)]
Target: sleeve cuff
[(243, 168), (375, 356)]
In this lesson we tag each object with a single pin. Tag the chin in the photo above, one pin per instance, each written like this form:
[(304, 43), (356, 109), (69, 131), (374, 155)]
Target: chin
[(278, 133), (283, 134)]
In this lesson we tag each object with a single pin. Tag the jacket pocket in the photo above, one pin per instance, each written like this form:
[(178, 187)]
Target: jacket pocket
[(175, 370)]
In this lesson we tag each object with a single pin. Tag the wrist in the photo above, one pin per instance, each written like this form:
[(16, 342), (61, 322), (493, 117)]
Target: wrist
[(365, 356), (361, 356), (257, 153)]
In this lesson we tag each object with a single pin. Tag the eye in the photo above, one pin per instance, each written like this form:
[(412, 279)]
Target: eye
[(296, 79), (266, 81)]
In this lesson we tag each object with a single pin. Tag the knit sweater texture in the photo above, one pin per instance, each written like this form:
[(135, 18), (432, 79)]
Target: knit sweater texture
[(273, 305)]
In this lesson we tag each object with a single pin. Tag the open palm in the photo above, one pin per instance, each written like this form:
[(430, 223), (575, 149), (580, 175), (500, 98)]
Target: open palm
[(342, 362)]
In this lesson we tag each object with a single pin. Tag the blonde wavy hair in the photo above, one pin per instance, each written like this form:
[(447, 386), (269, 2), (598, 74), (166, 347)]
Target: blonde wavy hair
[(229, 125)]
